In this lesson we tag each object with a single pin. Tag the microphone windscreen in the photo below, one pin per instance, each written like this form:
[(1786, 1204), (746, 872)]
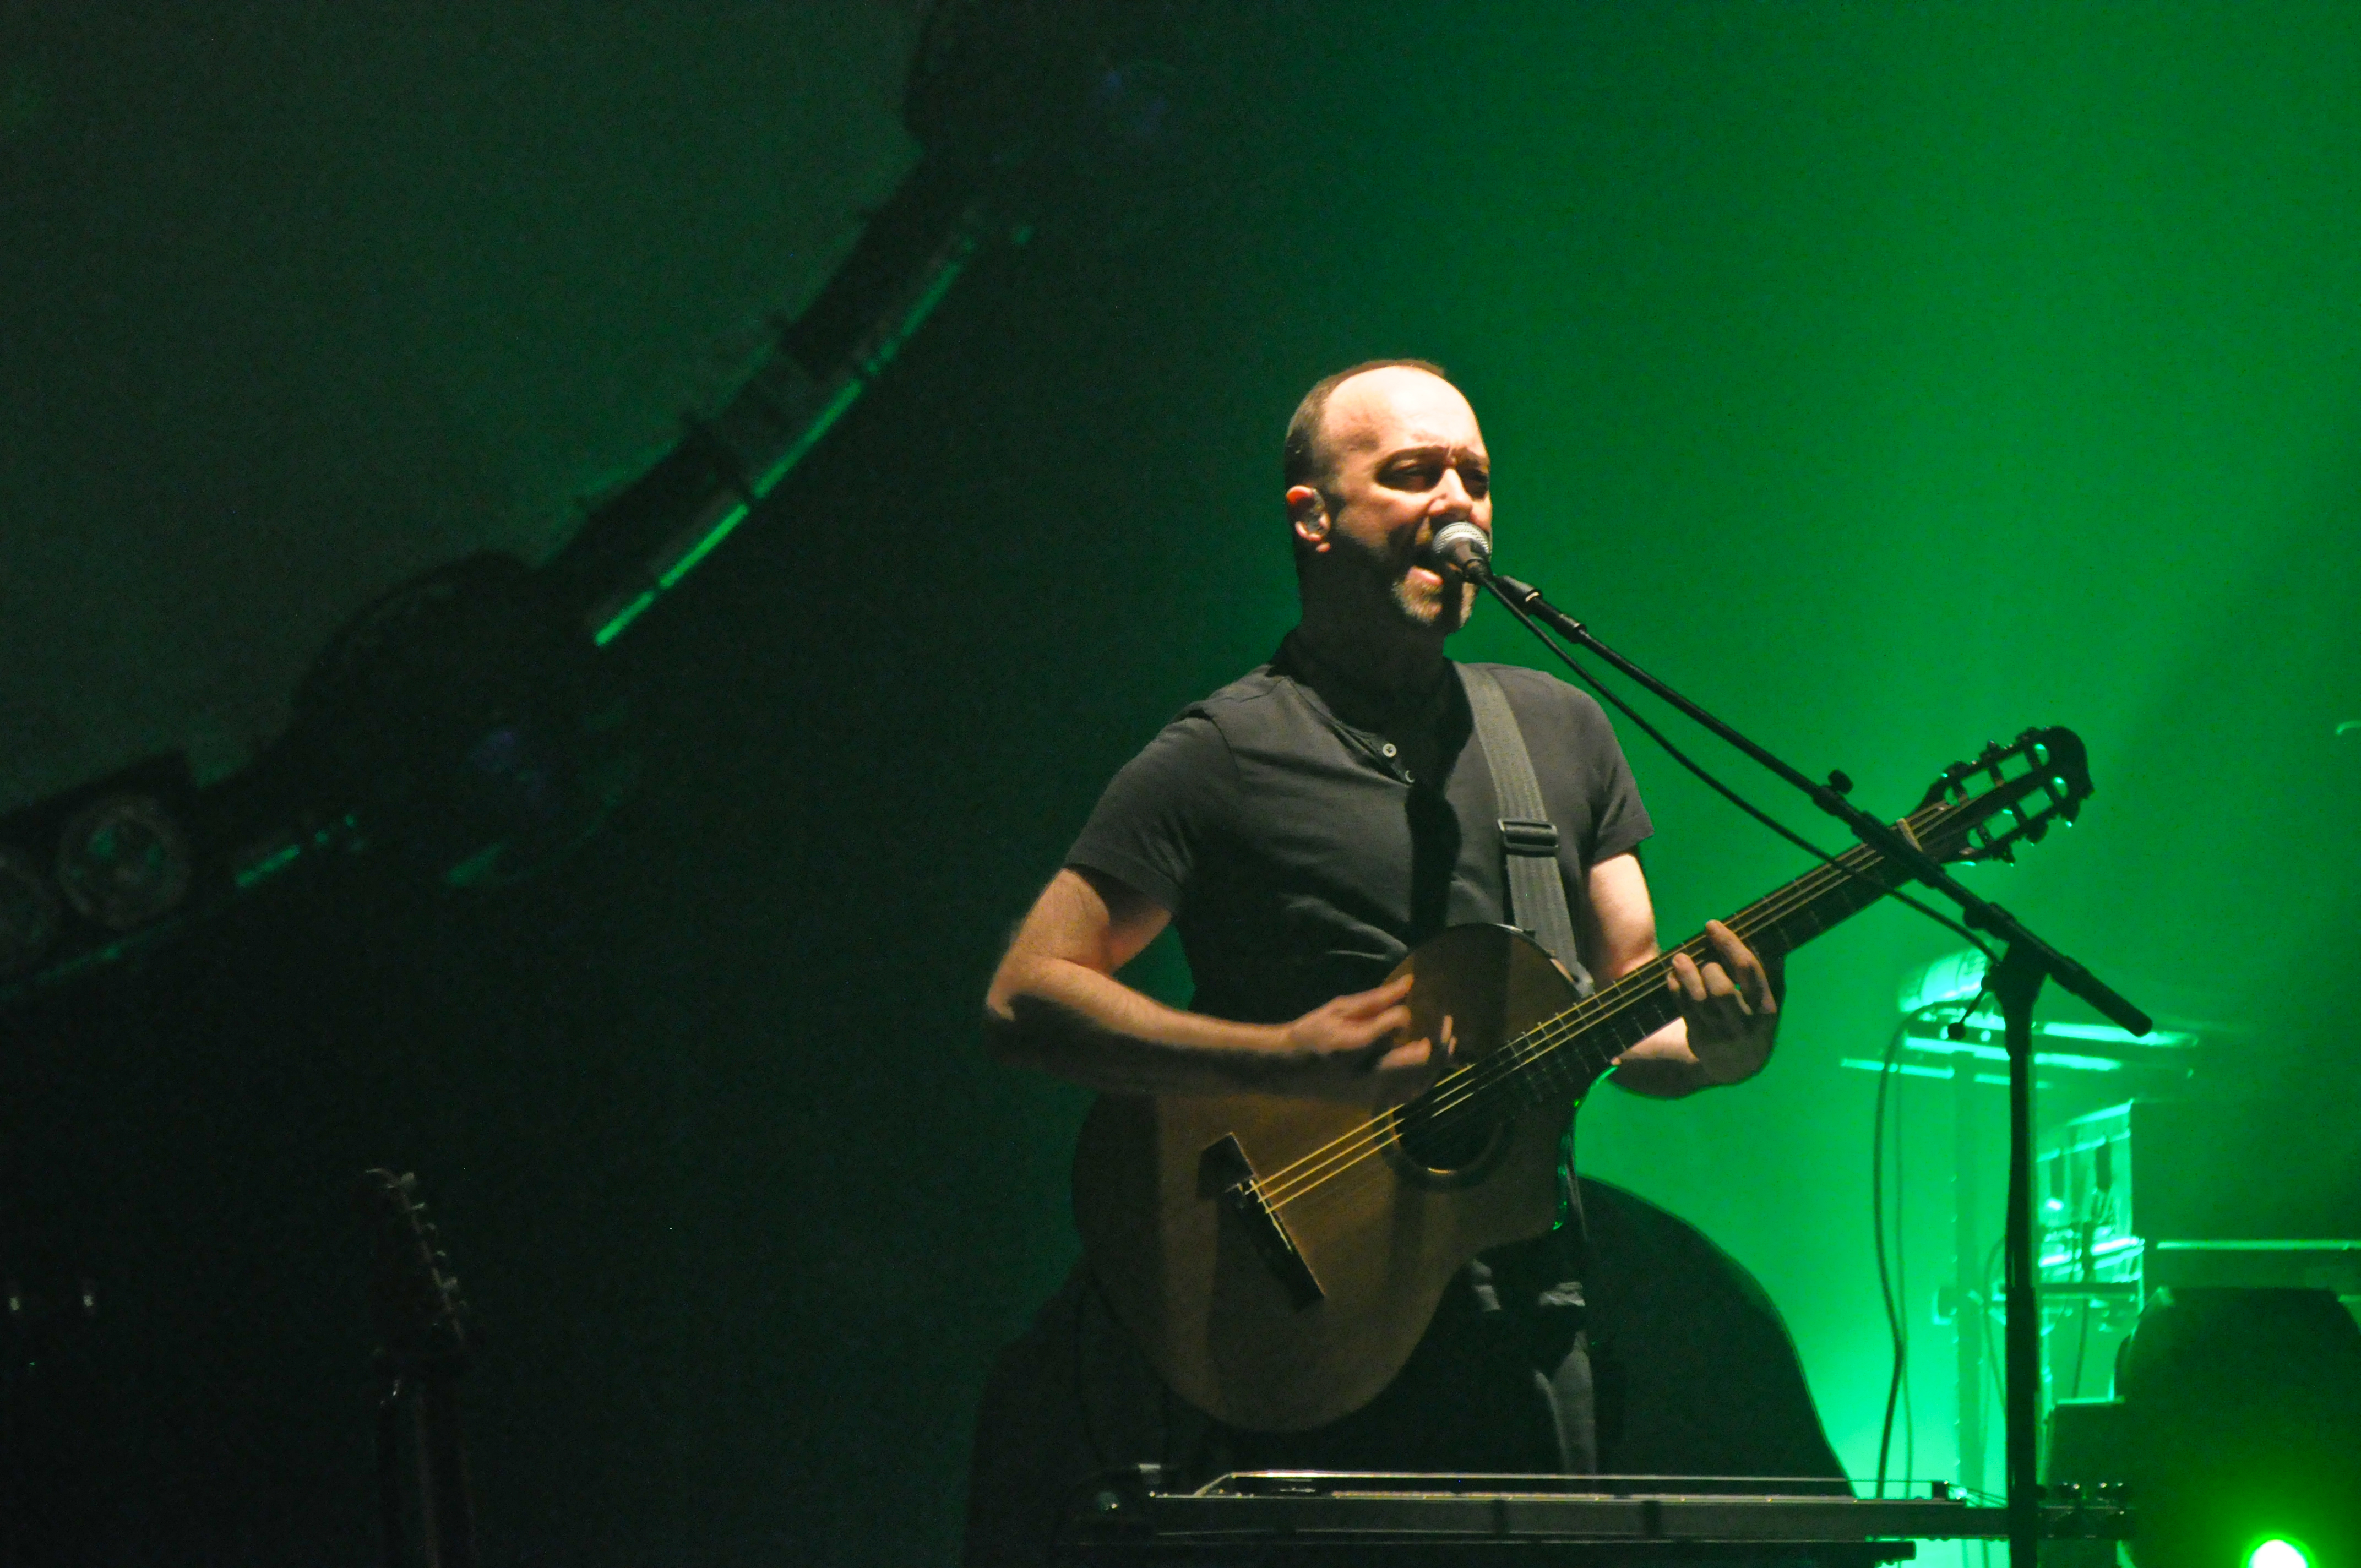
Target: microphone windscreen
[(1462, 545)]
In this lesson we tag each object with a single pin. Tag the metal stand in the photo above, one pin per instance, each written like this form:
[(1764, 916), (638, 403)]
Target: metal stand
[(2015, 982), (1967, 1276), (2026, 961)]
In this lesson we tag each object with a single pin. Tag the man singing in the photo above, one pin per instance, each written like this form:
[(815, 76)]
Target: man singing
[(1304, 827)]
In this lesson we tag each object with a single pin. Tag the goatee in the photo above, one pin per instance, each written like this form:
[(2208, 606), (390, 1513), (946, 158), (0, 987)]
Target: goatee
[(1430, 611)]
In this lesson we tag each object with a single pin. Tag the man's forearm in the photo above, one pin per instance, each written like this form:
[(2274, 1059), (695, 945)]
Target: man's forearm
[(1071, 1020)]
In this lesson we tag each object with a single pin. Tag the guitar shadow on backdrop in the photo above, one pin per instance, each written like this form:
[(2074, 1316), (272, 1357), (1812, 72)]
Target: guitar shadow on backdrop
[(1695, 1375)]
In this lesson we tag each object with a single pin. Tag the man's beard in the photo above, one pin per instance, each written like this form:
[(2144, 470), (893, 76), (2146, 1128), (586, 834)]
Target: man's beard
[(1386, 573), (1442, 609)]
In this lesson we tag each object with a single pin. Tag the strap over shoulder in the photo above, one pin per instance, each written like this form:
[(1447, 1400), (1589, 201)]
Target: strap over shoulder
[(1528, 838)]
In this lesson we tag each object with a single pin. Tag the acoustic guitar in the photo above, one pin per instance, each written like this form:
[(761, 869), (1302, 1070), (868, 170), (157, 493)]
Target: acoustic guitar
[(1277, 1259)]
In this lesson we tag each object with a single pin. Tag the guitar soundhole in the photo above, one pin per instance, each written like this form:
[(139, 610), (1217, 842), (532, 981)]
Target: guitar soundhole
[(1449, 1147)]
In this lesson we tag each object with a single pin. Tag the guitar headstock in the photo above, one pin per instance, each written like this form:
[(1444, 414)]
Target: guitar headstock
[(2040, 778), (420, 1315)]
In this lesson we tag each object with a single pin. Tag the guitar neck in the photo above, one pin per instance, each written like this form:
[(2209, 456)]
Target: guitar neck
[(1569, 1053), (448, 1507)]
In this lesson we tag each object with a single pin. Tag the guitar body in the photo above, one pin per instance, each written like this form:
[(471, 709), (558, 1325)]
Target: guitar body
[(1381, 1224)]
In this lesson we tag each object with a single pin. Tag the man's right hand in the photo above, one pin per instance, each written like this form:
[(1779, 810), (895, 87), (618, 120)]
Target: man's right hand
[(1056, 1004), (1352, 1049)]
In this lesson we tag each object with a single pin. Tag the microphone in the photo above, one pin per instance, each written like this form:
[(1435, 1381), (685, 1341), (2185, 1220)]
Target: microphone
[(1463, 547)]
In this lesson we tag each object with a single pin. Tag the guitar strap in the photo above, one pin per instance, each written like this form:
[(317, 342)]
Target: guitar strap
[(1528, 837), (1550, 1269)]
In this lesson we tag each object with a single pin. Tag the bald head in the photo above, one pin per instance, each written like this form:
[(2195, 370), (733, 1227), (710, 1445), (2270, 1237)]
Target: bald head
[(1385, 456), (1306, 459), (1390, 404)]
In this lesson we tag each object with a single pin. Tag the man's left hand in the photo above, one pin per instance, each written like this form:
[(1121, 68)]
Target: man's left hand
[(1732, 1006)]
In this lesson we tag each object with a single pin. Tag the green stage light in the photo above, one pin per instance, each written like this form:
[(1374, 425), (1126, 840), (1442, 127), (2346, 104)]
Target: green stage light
[(2278, 1552)]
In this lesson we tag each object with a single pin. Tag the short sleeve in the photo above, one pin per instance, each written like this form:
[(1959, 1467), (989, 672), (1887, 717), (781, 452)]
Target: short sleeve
[(1618, 820), (1588, 784), (1152, 827)]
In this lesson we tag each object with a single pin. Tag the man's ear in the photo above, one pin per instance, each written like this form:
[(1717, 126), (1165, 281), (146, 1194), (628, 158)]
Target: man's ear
[(1308, 511)]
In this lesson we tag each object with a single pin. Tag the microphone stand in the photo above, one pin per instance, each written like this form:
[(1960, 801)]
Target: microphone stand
[(2026, 961)]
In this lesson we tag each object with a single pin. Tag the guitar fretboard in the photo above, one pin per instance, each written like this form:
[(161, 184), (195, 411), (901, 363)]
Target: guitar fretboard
[(1561, 1058)]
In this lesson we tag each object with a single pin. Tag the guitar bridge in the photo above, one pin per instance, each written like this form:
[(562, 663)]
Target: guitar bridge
[(1223, 1172)]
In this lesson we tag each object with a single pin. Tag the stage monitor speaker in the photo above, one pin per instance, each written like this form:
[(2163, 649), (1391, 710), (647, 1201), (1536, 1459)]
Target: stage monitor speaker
[(2239, 1423)]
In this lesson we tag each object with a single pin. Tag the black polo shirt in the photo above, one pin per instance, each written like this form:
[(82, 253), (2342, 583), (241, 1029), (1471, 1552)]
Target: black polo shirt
[(1300, 857)]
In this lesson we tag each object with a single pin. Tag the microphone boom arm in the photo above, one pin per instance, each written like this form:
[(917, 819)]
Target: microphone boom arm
[(2025, 961)]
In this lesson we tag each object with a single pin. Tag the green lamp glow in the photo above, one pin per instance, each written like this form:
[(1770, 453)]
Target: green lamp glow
[(2277, 1553)]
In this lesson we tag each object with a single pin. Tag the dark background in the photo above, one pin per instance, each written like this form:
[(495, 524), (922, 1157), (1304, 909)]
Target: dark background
[(1894, 377)]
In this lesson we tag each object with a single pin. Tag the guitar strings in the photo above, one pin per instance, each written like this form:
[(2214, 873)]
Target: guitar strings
[(1467, 1091), (1641, 986), (1461, 1089), (1464, 1086)]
